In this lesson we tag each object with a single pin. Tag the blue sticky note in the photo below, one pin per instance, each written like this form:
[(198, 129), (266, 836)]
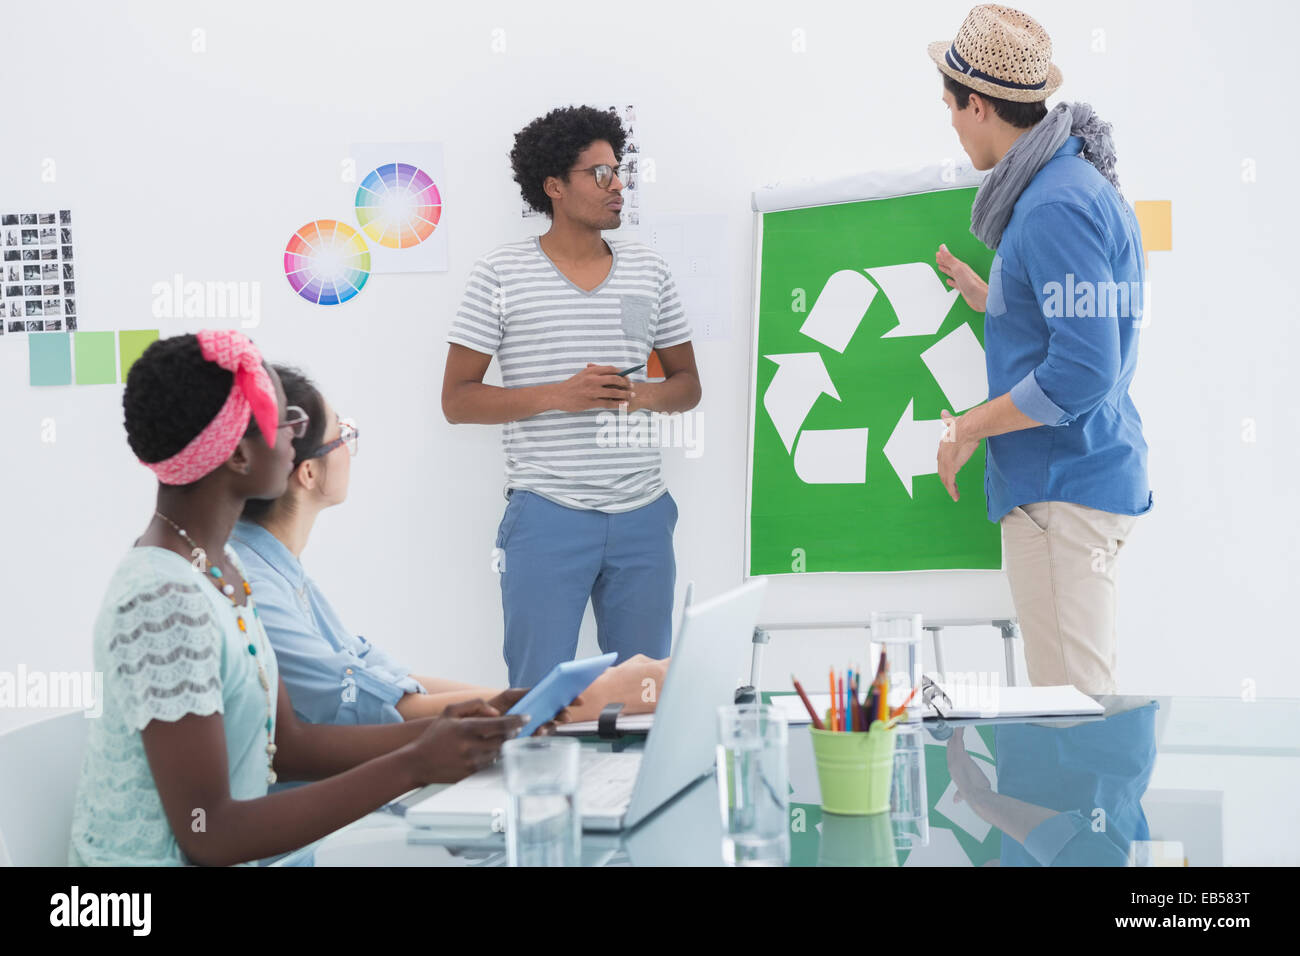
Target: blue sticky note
[(49, 358)]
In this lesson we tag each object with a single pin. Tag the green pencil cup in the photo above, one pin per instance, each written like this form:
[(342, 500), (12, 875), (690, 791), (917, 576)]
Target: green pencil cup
[(854, 769), (862, 840)]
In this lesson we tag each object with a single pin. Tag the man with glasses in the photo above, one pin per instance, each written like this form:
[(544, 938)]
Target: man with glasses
[(572, 319)]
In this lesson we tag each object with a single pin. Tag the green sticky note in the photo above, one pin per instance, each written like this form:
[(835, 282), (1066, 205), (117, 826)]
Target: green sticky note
[(49, 358), (96, 356), (131, 345)]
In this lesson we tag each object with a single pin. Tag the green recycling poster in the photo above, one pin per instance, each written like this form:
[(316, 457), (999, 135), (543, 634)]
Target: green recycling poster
[(860, 344)]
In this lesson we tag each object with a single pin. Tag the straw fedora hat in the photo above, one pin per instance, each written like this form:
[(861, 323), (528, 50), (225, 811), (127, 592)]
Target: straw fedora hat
[(1000, 52)]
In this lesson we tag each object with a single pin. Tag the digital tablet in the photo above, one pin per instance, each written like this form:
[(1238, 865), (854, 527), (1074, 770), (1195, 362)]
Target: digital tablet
[(558, 688)]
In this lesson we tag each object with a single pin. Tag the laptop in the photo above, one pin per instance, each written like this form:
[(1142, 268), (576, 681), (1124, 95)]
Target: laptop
[(711, 658)]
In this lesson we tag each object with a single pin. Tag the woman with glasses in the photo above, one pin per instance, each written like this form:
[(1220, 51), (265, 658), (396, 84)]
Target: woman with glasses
[(196, 723), (335, 676)]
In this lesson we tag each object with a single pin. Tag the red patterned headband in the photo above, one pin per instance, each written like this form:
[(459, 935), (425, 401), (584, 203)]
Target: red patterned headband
[(251, 395)]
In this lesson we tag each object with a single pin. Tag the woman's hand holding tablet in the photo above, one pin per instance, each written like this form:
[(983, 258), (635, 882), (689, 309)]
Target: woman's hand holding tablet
[(558, 689)]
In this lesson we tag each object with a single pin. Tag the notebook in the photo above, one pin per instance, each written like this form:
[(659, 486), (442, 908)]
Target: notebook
[(967, 700)]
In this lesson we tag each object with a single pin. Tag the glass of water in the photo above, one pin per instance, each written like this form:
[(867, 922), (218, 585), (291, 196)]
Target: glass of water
[(909, 802), (899, 635), (753, 785), (543, 820)]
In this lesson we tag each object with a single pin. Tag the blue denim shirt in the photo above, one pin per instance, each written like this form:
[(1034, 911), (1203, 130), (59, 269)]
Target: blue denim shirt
[(1065, 301), (333, 676), (1096, 765)]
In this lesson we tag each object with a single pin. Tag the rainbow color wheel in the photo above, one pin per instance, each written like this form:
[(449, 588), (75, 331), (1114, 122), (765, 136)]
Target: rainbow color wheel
[(398, 205), (327, 262)]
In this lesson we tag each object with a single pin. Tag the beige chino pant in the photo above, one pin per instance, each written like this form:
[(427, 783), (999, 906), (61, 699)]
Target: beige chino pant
[(1060, 560)]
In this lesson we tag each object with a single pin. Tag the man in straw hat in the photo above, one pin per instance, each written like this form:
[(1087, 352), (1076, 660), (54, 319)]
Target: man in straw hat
[(1066, 464)]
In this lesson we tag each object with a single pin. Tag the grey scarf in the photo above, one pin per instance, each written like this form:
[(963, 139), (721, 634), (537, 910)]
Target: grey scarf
[(1002, 187)]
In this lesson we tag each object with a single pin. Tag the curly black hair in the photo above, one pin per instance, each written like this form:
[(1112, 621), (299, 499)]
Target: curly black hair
[(549, 146), (301, 391), (172, 393)]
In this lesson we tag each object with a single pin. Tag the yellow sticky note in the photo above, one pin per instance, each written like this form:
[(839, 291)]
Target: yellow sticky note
[(1155, 219)]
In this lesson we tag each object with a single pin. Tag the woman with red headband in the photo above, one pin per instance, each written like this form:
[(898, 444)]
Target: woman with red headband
[(196, 723)]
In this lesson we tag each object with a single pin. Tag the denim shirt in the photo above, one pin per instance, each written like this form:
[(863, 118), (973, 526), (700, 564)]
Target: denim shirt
[(1102, 765), (1065, 304), (333, 676)]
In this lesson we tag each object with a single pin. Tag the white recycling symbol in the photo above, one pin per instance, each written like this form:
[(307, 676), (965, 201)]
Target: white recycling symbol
[(921, 300)]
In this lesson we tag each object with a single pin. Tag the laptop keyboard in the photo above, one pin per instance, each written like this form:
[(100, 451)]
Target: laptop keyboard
[(607, 781)]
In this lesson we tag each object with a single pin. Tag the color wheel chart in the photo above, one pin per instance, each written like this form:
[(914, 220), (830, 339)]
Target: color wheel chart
[(326, 262), (398, 205)]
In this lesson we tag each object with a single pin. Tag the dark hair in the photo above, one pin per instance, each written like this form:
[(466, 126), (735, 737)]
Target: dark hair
[(1019, 115), (301, 391), (172, 393), (549, 146)]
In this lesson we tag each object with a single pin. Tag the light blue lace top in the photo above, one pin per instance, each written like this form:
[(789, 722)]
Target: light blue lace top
[(168, 644)]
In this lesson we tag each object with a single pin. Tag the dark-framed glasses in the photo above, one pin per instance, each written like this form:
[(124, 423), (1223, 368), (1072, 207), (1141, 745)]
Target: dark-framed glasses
[(348, 434), (605, 173)]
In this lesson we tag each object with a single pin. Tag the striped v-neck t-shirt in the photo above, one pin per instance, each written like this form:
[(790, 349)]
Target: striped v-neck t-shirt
[(543, 329)]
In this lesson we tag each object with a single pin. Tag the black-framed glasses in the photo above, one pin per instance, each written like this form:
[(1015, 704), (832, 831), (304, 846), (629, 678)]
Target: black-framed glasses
[(604, 173), (295, 418), (348, 434)]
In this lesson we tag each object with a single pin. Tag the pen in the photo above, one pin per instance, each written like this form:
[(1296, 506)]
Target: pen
[(817, 721), (634, 368)]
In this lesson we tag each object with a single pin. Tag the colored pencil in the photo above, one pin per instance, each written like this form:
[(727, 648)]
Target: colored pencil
[(884, 695), (844, 725), (863, 722), (817, 721), (903, 706), (853, 717), (882, 689), (834, 715), (851, 687)]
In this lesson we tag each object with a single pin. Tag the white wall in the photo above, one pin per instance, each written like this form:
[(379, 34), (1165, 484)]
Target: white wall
[(203, 164)]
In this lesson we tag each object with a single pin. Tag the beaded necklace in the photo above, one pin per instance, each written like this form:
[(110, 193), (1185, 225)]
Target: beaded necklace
[(228, 590)]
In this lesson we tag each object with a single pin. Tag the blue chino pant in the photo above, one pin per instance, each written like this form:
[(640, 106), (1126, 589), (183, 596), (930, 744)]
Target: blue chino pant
[(557, 558)]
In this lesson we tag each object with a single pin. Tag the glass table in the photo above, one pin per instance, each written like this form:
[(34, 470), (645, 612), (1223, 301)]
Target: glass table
[(1154, 781)]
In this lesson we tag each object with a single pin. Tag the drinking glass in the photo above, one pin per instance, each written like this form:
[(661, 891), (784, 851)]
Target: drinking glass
[(543, 819), (753, 785)]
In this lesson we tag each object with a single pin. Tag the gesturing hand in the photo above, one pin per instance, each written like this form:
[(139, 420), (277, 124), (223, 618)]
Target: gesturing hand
[(953, 454), (963, 278)]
